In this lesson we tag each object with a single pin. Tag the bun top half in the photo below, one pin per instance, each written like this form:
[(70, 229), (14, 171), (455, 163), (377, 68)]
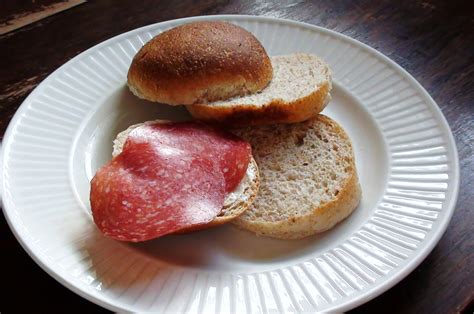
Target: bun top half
[(200, 62)]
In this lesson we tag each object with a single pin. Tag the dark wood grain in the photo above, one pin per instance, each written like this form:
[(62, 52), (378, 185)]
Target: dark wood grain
[(10, 9), (433, 40), (17, 14)]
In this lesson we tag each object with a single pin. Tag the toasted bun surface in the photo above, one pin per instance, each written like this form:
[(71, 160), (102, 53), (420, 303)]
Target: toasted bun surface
[(308, 178), (235, 203), (299, 90), (199, 62)]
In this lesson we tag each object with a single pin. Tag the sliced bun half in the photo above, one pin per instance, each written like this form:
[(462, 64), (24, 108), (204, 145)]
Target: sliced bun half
[(299, 90), (235, 203), (308, 178)]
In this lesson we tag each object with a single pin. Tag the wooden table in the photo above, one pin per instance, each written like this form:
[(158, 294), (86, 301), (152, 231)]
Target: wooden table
[(433, 40)]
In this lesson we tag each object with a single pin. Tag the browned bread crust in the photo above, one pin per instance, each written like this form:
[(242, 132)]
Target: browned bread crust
[(199, 62)]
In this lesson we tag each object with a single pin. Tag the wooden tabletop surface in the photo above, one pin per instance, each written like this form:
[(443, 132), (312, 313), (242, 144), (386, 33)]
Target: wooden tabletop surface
[(432, 40)]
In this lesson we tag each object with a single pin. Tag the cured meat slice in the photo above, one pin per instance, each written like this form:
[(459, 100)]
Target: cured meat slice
[(232, 153), (168, 177), (149, 191)]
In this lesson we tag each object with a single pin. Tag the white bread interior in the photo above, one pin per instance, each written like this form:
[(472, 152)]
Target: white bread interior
[(308, 178), (300, 89)]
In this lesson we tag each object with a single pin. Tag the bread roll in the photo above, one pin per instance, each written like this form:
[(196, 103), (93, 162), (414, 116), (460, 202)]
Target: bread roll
[(199, 62)]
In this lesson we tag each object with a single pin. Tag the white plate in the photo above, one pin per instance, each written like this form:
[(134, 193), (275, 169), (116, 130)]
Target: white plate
[(62, 133)]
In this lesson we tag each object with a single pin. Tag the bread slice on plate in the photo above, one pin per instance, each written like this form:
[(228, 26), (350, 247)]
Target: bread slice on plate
[(300, 89), (235, 203), (308, 178)]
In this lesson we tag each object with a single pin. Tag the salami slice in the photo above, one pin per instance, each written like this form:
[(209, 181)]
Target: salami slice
[(168, 177), (231, 152), (147, 192)]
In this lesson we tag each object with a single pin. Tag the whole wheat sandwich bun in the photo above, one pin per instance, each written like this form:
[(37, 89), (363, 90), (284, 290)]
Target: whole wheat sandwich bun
[(199, 62), (308, 178), (235, 203), (300, 89)]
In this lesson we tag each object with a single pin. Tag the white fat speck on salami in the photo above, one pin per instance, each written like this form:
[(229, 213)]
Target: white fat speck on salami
[(168, 177)]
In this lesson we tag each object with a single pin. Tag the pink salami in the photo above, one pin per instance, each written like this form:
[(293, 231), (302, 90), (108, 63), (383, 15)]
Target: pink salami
[(168, 177), (232, 153)]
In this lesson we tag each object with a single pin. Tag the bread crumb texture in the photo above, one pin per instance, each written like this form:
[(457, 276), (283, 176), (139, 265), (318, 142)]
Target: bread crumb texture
[(308, 180), (294, 76), (299, 90)]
